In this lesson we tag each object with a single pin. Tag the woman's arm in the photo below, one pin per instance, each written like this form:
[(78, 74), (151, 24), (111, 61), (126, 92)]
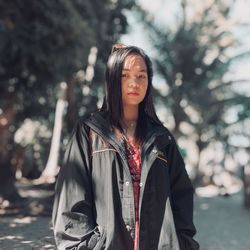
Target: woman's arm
[(72, 217), (182, 200)]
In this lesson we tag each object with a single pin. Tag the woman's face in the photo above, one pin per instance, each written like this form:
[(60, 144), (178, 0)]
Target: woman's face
[(134, 80)]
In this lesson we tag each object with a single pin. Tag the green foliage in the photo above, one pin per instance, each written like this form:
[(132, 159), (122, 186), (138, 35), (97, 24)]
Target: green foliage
[(40, 45), (43, 43), (195, 59)]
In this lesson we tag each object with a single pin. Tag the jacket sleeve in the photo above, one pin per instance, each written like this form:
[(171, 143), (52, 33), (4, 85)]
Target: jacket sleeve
[(181, 200), (72, 217)]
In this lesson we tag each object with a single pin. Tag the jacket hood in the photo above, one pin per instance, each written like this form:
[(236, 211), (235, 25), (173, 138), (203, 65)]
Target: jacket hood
[(100, 122)]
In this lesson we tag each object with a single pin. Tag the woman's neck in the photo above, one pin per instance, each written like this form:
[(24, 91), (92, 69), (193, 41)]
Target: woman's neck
[(129, 121), (130, 114)]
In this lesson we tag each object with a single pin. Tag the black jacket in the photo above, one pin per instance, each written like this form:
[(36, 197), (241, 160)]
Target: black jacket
[(94, 201)]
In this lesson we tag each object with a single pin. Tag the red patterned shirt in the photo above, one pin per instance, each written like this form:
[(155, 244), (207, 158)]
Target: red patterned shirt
[(134, 161)]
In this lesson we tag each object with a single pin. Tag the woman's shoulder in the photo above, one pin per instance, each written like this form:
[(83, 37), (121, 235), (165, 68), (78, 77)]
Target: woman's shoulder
[(87, 117), (156, 125), (97, 119), (162, 130)]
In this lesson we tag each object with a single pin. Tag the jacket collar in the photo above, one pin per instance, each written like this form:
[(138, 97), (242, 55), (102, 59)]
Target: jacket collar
[(99, 122)]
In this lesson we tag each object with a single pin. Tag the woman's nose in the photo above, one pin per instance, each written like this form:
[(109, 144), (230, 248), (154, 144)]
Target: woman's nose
[(133, 82)]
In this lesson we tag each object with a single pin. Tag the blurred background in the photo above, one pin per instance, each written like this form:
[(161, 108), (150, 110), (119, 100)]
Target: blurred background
[(52, 63)]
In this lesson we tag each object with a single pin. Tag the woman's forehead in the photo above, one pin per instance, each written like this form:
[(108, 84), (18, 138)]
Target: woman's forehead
[(134, 61)]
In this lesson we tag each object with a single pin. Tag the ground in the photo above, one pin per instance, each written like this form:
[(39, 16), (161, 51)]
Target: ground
[(26, 233), (222, 223), (27, 223)]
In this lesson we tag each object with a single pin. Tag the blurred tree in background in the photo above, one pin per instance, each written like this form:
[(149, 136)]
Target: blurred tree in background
[(43, 43), (46, 43), (196, 58)]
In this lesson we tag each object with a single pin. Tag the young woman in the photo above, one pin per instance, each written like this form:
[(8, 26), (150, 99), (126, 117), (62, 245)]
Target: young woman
[(123, 184)]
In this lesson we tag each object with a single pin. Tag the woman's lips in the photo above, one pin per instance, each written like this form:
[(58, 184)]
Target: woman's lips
[(133, 93)]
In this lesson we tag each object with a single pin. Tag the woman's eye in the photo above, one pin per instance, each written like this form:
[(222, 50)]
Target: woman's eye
[(124, 75), (142, 76)]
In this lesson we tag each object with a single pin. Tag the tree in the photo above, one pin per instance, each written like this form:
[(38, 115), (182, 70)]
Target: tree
[(41, 45), (195, 59)]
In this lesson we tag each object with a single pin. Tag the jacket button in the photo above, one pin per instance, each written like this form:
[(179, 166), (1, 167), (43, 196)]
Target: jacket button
[(154, 151), (132, 233), (169, 137), (127, 183), (141, 184), (128, 227)]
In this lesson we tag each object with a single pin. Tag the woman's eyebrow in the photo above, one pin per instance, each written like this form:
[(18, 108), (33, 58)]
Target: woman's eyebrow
[(142, 70)]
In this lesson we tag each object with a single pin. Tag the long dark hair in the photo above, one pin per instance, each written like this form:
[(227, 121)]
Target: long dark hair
[(113, 93)]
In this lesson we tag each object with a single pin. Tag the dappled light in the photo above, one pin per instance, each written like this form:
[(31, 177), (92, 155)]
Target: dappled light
[(26, 233)]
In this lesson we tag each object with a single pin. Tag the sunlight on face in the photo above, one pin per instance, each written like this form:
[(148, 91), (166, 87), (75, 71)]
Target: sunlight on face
[(134, 80)]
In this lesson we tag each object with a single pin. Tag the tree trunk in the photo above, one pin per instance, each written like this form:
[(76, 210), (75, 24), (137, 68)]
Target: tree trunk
[(7, 178), (246, 179), (7, 172), (51, 168), (198, 176)]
